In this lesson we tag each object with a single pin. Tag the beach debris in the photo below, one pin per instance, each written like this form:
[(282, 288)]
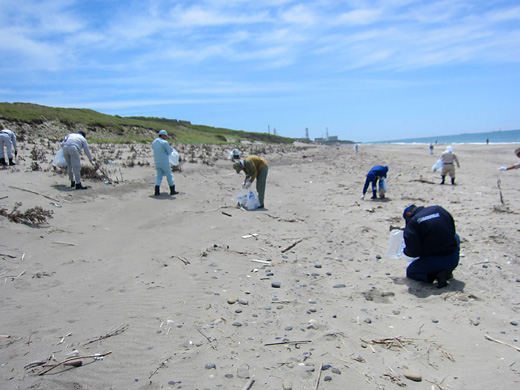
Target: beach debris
[(56, 204), (394, 378), (74, 361), (313, 324), (229, 215), (249, 384), (34, 192), (163, 364), (319, 376), (501, 342), (250, 235), (32, 216), (292, 245), (262, 261), (289, 342), (393, 342), (117, 330), (183, 259), (412, 375), (276, 284)]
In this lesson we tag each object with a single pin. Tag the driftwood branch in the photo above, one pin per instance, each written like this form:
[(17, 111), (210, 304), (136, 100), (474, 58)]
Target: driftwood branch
[(69, 361), (34, 192), (160, 366), (501, 342), (292, 245), (319, 376), (289, 342), (249, 384)]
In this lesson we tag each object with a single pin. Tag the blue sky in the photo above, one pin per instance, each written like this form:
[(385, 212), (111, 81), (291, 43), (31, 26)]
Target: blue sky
[(363, 70)]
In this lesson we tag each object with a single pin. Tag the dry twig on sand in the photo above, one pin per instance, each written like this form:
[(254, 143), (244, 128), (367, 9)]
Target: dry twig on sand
[(393, 342), (74, 361), (501, 342), (184, 260), (120, 329), (319, 376), (249, 384), (163, 364), (292, 245), (37, 193), (289, 342)]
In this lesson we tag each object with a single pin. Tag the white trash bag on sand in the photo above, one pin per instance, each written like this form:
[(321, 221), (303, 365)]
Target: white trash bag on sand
[(59, 160), (396, 247), (247, 199), (438, 165), (174, 158)]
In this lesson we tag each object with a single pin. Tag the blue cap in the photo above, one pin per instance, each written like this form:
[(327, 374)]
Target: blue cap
[(407, 211), (163, 132)]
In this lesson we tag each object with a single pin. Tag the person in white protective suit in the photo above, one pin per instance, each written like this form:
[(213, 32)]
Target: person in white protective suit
[(161, 153), (72, 146), (7, 140)]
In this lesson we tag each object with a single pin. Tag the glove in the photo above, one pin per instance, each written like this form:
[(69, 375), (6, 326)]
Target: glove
[(247, 185), (503, 168)]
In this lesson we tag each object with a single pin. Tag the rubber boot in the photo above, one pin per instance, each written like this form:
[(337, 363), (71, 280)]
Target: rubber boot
[(172, 190), (157, 191), (11, 162), (443, 177), (374, 195), (80, 187), (72, 184), (452, 181)]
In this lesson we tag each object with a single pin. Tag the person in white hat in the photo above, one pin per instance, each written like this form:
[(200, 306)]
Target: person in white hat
[(161, 153), (72, 146), (7, 140), (514, 166), (448, 164)]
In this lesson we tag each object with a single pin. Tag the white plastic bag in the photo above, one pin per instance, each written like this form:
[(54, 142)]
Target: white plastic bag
[(59, 160), (247, 199), (396, 247), (174, 158), (438, 165), (383, 185)]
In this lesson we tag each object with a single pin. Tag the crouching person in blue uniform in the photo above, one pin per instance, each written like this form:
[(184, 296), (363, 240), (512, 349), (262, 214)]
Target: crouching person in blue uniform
[(430, 236)]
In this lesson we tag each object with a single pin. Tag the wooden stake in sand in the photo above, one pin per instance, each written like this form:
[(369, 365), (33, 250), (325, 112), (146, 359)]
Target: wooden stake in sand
[(319, 376), (292, 245), (501, 342)]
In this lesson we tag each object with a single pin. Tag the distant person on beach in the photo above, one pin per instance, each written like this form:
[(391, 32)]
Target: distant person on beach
[(161, 154), (430, 236), (514, 166), (235, 154), (375, 176), (431, 148), (448, 164), (72, 146), (7, 140), (356, 147), (255, 168)]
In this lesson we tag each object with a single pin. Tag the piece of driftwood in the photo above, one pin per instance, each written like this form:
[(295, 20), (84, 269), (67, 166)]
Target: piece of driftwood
[(184, 260), (501, 342), (120, 329), (69, 360), (249, 384), (229, 215), (289, 342), (34, 192), (319, 376), (292, 245)]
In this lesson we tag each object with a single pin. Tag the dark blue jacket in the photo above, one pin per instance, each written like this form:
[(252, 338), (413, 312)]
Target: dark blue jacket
[(377, 171), (430, 231)]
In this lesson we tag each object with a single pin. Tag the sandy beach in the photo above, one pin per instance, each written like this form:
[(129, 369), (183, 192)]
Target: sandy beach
[(192, 292)]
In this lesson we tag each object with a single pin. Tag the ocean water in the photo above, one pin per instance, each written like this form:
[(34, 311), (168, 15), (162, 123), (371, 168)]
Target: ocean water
[(494, 137)]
